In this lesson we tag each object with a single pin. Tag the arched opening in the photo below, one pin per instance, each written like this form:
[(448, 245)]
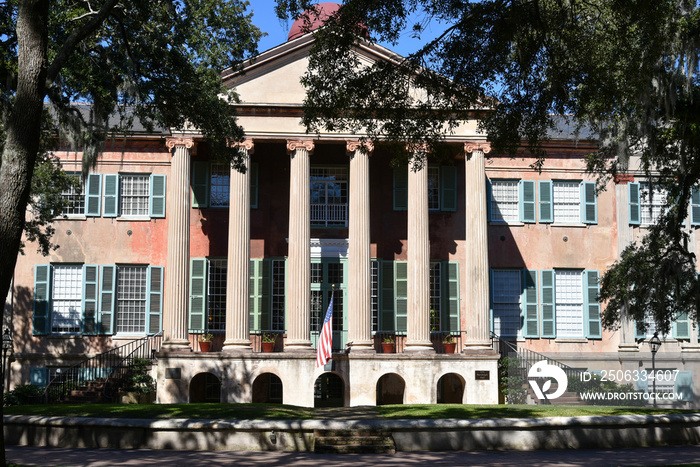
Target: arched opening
[(450, 389), (205, 387), (390, 389), (329, 391), (267, 388)]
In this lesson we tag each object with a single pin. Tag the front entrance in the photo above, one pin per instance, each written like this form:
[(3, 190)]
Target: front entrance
[(326, 273), (329, 391)]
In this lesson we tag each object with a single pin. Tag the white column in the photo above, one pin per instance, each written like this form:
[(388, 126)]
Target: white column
[(360, 279), (177, 267), (477, 252), (418, 325), (238, 262), (625, 237), (299, 263)]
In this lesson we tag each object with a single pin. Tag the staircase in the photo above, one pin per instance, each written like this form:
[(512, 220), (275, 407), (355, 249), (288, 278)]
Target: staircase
[(354, 442), (98, 379)]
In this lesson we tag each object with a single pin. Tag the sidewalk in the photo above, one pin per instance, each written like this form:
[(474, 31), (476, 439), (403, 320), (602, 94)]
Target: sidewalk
[(52, 457)]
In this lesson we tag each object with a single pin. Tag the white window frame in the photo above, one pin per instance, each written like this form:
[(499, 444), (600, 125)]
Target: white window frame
[(505, 200), (656, 201), (130, 304), (74, 197), (141, 199), (66, 299), (563, 201), (322, 180), (569, 303)]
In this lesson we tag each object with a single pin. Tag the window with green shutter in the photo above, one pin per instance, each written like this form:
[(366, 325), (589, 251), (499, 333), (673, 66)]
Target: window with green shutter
[(591, 305), (111, 195), (589, 203), (547, 311), (41, 318), (154, 305), (198, 294), (400, 188), (695, 207), (546, 209), (634, 203), (90, 298), (401, 295), (157, 196), (93, 195), (450, 298), (200, 184), (529, 306), (448, 188), (108, 276)]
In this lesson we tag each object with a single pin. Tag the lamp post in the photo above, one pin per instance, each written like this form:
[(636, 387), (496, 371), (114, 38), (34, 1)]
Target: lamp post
[(7, 350), (654, 344)]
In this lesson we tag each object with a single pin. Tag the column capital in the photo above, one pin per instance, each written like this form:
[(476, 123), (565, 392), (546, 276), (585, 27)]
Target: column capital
[(172, 141), (623, 179), (352, 146), (247, 144), (471, 146), (293, 144)]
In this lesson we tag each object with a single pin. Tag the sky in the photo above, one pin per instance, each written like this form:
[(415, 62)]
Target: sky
[(264, 18)]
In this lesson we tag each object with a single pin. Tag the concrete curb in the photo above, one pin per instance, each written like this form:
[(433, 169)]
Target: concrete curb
[(409, 435)]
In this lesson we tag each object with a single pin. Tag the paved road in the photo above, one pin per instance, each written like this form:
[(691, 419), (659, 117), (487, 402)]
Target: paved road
[(52, 457)]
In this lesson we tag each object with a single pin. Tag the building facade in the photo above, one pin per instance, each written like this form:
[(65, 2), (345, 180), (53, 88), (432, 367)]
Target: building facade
[(166, 238)]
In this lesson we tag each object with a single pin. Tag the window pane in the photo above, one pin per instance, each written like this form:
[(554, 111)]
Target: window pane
[(216, 295), (278, 295), (569, 304), (653, 203), (220, 185), (567, 202), (131, 299), (434, 188), (504, 201), (133, 191), (329, 196), (66, 299), (435, 296), (74, 199), (506, 303)]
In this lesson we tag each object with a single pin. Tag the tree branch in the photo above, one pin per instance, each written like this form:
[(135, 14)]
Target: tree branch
[(76, 37)]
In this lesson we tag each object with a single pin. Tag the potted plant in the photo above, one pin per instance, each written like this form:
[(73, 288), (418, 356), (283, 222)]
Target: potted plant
[(448, 342), (388, 344), (268, 342), (205, 342)]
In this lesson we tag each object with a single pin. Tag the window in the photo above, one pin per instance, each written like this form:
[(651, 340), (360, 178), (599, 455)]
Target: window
[(567, 202), (505, 201), (329, 196), (442, 188), (278, 294), (568, 304), (506, 290), (326, 273), (127, 195), (131, 299), (435, 296), (66, 299), (211, 185), (374, 265), (646, 206), (74, 199), (134, 191), (216, 294)]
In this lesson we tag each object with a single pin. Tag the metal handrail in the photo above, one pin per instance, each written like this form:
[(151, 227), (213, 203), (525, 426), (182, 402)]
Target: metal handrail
[(91, 369), (147, 349)]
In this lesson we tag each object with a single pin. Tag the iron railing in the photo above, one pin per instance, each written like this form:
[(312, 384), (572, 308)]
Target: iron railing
[(100, 367), (146, 348)]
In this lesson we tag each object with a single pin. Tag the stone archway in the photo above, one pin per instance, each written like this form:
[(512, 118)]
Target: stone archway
[(450, 389), (205, 387), (329, 391), (267, 388), (390, 389)]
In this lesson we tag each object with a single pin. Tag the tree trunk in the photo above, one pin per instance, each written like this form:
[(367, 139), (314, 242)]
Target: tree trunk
[(23, 133)]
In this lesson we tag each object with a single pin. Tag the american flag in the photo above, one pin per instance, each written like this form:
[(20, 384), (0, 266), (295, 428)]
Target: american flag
[(325, 339)]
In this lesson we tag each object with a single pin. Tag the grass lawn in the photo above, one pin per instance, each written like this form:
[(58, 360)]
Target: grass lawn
[(288, 412)]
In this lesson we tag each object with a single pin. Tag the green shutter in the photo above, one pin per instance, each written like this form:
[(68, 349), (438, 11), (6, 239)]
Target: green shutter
[(93, 195), (401, 295), (547, 310), (155, 299), (526, 191), (111, 205), (253, 295), (401, 188), (684, 385), (198, 293), (386, 321), (489, 199), (156, 205), (108, 276), (634, 203), (681, 327), (695, 207), (448, 188), (546, 201), (200, 184), (42, 295), (450, 297), (591, 305), (529, 314), (267, 284), (589, 203), (253, 185), (90, 280)]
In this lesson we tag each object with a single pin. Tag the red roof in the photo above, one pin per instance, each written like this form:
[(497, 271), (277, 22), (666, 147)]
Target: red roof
[(312, 19)]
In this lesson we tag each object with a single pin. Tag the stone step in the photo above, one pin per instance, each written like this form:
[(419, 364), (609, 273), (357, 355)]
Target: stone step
[(355, 449), (354, 442), (347, 440)]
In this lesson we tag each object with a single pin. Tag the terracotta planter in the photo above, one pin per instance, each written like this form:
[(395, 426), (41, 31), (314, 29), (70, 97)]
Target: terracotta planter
[(268, 347), (204, 346), (450, 348), (388, 348)]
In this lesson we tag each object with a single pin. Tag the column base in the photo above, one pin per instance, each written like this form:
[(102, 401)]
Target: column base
[(424, 347), (179, 345), (363, 347), (237, 346), (477, 348), (298, 347), (690, 347)]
